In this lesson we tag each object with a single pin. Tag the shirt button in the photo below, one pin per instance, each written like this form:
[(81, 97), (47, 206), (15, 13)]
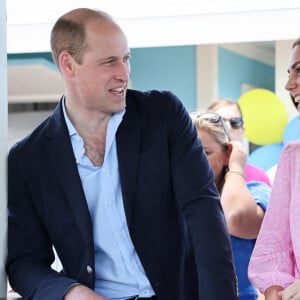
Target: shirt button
[(89, 269)]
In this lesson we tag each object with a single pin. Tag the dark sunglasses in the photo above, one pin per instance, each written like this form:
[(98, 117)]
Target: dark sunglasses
[(235, 123), (213, 118)]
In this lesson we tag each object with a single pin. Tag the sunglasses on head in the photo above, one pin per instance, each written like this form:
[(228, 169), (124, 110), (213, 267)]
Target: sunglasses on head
[(235, 123), (213, 118)]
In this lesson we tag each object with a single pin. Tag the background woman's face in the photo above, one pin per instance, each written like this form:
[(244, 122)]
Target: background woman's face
[(217, 156), (228, 112)]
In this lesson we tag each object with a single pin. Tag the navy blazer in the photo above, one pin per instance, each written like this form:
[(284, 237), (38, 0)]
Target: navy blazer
[(172, 207)]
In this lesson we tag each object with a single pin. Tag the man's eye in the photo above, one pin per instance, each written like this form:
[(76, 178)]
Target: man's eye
[(110, 61), (127, 58)]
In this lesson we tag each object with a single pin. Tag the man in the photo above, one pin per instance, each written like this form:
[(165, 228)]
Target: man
[(117, 182), (232, 115)]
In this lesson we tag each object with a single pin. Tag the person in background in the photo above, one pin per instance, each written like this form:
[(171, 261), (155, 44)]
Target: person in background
[(244, 203), (275, 262), (117, 181), (232, 114)]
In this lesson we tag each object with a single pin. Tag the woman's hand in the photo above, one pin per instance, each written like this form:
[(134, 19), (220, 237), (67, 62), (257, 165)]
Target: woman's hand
[(273, 293), (238, 157), (243, 215), (292, 292)]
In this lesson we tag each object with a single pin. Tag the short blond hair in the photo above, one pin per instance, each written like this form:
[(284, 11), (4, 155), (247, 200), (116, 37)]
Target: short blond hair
[(214, 129)]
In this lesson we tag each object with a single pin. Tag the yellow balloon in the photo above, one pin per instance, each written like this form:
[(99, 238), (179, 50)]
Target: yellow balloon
[(264, 115)]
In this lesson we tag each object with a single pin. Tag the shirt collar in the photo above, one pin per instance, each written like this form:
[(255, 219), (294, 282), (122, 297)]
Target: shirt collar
[(116, 117)]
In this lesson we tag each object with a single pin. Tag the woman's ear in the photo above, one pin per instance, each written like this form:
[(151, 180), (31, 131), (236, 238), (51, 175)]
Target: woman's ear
[(227, 152)]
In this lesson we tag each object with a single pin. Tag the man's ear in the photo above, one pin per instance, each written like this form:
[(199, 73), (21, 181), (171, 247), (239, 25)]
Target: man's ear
[(66, 64)]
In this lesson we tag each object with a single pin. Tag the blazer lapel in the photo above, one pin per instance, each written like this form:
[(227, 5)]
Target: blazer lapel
[(128, 145), (60, 153), (61, 158)]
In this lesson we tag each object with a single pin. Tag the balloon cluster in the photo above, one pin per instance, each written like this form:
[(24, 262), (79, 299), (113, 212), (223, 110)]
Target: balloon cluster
[(267, 125)]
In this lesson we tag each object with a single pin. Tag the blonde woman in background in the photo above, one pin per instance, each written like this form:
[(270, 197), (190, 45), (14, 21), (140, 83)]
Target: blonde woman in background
[(233, 117), (244, 204)]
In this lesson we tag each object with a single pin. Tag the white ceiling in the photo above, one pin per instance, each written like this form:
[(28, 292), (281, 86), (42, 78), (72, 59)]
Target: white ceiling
[(160, 23)]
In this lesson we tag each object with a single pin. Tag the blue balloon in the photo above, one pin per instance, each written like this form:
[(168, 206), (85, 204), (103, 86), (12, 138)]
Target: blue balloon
[(265, 156), (291, 131)]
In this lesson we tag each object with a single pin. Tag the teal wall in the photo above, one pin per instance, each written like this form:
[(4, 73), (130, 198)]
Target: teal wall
[(43, 58), (30, 56), (174, 69), (166, 68), (235, 69)]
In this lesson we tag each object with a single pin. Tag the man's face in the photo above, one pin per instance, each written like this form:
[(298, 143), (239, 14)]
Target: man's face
[(100, 82)]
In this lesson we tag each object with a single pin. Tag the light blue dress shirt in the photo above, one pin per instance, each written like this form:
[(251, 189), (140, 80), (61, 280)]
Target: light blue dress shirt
[(119, 272)]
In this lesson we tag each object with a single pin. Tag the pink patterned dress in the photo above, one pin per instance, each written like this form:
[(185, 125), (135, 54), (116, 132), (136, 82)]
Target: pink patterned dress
[(275, 259)]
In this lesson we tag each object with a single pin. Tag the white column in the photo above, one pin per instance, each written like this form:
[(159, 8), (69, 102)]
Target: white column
[(207, 75), (3, 146)]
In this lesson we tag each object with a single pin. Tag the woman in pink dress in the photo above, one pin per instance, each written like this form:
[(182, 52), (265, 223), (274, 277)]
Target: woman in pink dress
[(275, 262)]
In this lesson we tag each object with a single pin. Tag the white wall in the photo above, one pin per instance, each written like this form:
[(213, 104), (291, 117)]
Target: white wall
[(207, 75)]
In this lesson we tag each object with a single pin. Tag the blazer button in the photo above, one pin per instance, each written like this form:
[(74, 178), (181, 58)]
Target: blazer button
[(89, 269)]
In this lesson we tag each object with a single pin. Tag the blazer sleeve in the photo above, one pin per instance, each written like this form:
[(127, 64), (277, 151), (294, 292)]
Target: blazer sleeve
[(200, 205), (30, 254)]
